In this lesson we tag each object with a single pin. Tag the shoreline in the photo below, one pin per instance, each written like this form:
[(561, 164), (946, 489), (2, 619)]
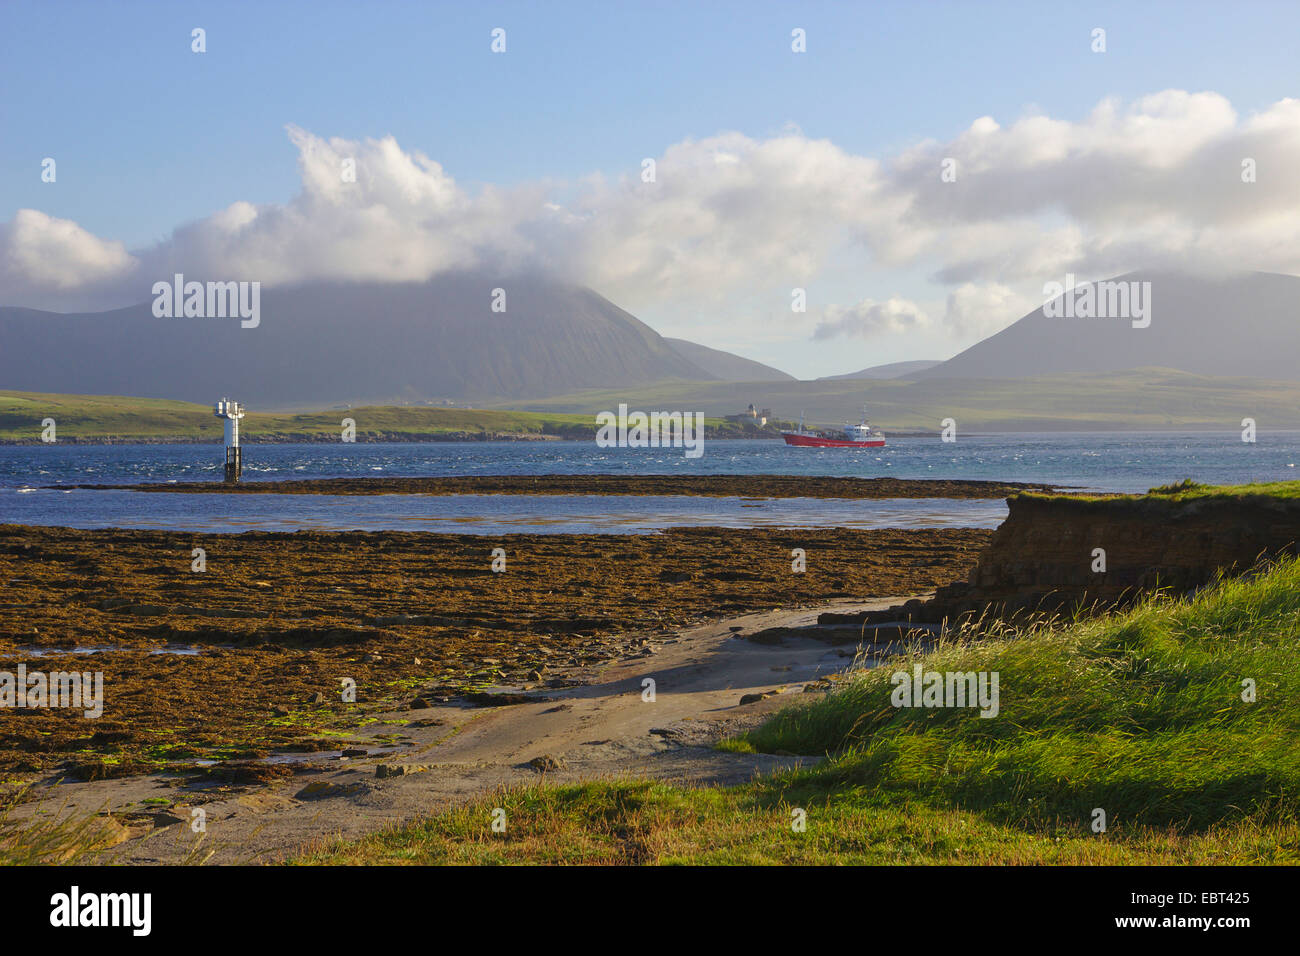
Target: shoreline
[(716, 679), (716, 486), (244, 661), (398, 438)]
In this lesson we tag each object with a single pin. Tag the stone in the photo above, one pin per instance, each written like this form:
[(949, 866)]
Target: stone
[(321, 789), (547, 763), (162, 818), (107, 832), (485, 699), (386, 770)]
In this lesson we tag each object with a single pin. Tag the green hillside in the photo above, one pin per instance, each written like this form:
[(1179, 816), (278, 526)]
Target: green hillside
[(99, 417), (113, 418), (1140, 399)]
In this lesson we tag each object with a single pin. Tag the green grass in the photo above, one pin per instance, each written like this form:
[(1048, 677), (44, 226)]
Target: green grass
[(638, 822), (1185, 491), (108, 417), (1141, 713), (1138, 713), (1188, 490), (49, 837)]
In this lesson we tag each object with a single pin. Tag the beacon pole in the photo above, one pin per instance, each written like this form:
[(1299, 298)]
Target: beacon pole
[(231, 413)]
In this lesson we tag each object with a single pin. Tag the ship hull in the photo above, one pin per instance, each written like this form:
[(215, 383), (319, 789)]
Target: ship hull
[(816, 441)]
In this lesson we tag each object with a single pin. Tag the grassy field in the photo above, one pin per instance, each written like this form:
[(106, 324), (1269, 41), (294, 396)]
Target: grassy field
[(99, 417), (1139, 714), (1150, 399), (1188, 490), (1140, 399), (115, 418)]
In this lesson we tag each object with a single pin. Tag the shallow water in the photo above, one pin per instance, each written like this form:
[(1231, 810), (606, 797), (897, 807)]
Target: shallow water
[(1125, 462), (184, 650), (480, 514), (1106, 461)]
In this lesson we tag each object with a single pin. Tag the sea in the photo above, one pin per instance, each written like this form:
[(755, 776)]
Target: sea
[(31, 477)]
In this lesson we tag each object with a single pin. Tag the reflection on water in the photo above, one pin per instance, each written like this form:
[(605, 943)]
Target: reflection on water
[(184, 650), (481, 514)]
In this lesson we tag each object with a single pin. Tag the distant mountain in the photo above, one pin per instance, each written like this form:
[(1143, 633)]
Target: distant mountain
[(725, 366), (330, 343), (1244, 325), (892, 370)]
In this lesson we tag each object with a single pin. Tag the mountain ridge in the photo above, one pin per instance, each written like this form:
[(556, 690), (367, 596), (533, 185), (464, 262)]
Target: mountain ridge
[(888, 370), (727, 366), (1237, 324), (327, 343)]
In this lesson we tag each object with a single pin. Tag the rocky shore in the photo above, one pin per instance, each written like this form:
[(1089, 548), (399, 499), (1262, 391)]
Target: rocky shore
[(215, 671)]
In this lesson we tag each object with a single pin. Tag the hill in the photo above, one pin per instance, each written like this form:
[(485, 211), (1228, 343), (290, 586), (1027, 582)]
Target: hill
[(1137, 399), (1140, 399), (113, 418), (725, 365), (116, 418), (892, 370), (1246, 324), (362, 343)]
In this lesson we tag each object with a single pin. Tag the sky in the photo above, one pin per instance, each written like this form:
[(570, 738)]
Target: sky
[(774, 170)]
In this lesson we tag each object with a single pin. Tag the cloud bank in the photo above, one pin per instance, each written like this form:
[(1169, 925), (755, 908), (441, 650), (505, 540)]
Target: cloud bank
[(1161, 181)]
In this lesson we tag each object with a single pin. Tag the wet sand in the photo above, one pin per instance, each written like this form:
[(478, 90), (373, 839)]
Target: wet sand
[(414, 619), (753, 486)]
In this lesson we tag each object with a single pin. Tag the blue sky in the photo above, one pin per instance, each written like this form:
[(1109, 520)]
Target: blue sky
[(149, 136)]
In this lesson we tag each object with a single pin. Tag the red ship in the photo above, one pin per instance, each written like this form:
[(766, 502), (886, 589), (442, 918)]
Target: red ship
[(861, 435)]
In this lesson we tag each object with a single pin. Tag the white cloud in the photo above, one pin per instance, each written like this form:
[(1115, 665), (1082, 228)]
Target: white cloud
[(1154, 182), (976, 311), (868, 319), (39, 252)]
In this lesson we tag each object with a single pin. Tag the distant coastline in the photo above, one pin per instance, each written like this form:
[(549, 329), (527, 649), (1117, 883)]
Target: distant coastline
[(753, 486), (413, 438)]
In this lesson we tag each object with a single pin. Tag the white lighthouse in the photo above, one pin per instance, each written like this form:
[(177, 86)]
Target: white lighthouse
[(232, 413)]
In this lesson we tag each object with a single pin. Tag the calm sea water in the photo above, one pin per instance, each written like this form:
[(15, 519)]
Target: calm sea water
[(1100, 461), (480, 514)]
